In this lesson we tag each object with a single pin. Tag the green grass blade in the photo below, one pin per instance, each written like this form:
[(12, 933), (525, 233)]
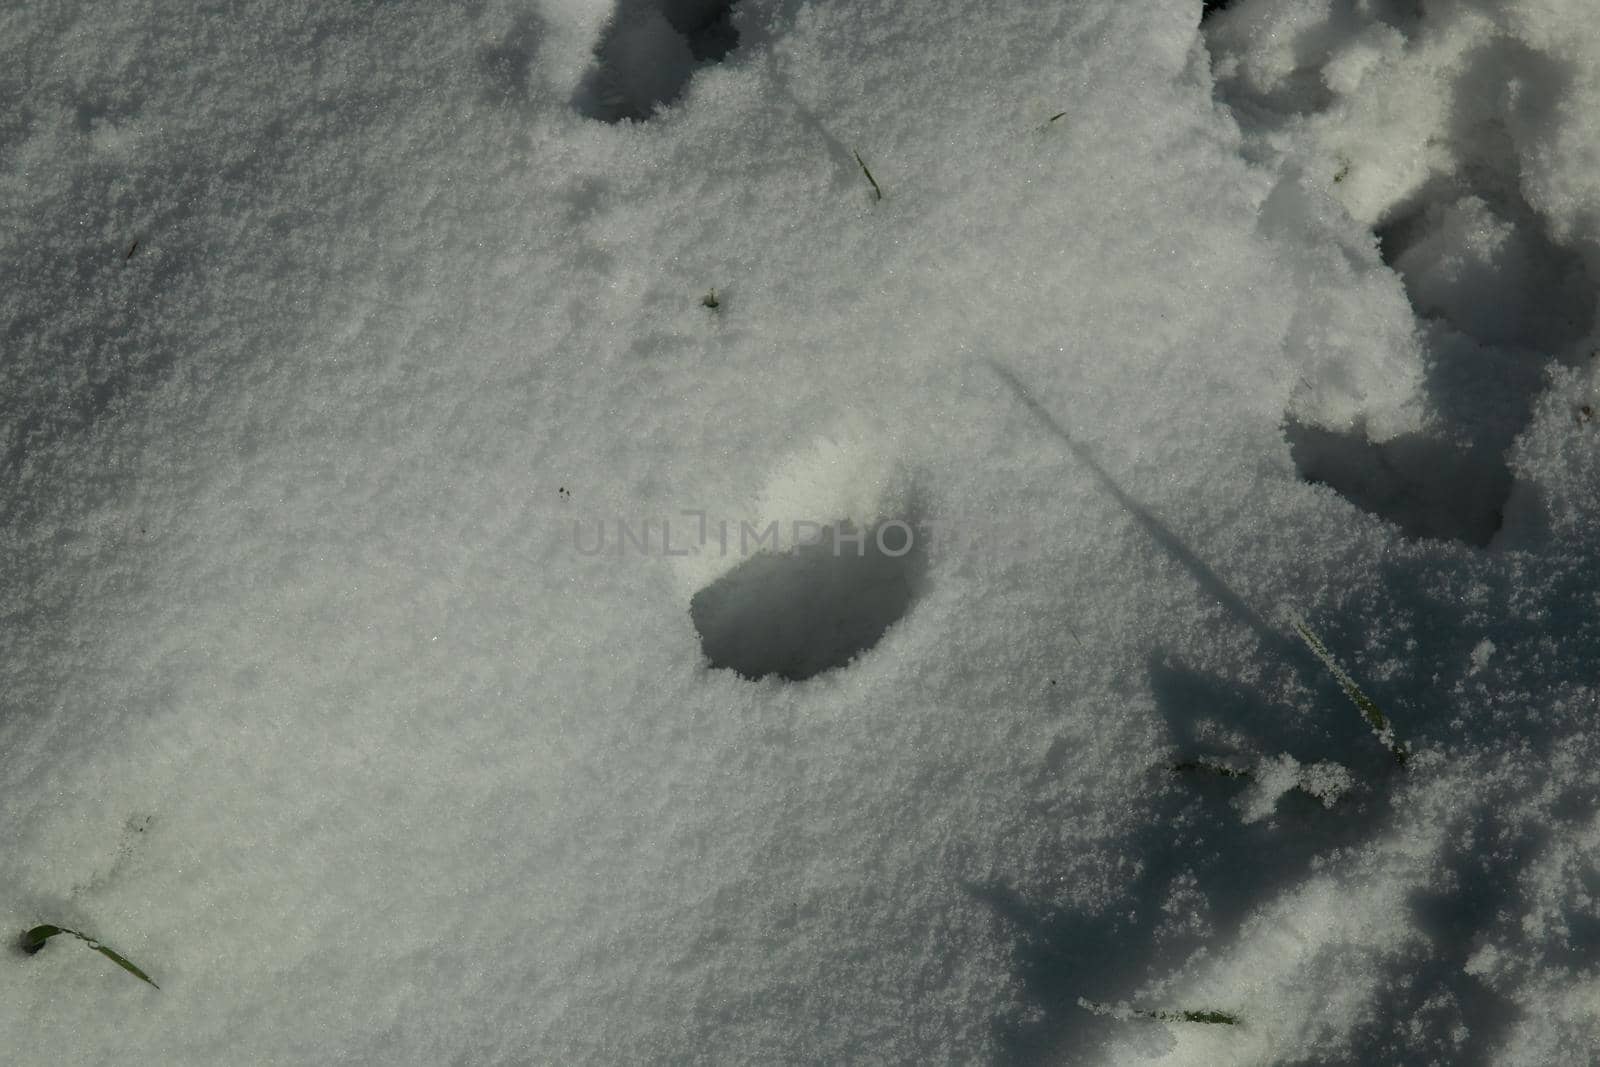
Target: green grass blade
[(1381, 726), (877, 193), (33, 940), (1216, 767), (1211, 1018), (121, 961), (1208, 1018)]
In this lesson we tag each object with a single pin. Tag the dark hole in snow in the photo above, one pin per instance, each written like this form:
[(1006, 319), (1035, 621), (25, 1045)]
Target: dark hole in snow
[(1211, 7), (1486, 267), (649, 51), (1427, 487), (796, 614)]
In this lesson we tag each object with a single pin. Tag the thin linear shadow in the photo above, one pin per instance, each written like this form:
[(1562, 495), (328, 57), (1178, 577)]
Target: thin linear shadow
[(842, 154), (1207, 578)]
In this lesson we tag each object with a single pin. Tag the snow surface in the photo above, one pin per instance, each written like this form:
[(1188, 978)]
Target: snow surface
[(363, 409)]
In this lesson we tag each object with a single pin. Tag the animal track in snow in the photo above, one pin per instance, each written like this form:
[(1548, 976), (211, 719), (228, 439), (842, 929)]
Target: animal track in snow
[(648, 52), (813, 608)]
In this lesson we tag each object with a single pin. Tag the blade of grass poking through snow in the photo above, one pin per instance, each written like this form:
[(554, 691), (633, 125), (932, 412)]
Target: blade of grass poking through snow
[(877, 193), (1365, 704), (1216, 767), (1210, 1018), (33, 940), (1123, 1011)]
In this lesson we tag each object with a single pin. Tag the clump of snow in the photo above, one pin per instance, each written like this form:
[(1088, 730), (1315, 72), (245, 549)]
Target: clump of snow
[(1271, 778), (1435, 131)]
